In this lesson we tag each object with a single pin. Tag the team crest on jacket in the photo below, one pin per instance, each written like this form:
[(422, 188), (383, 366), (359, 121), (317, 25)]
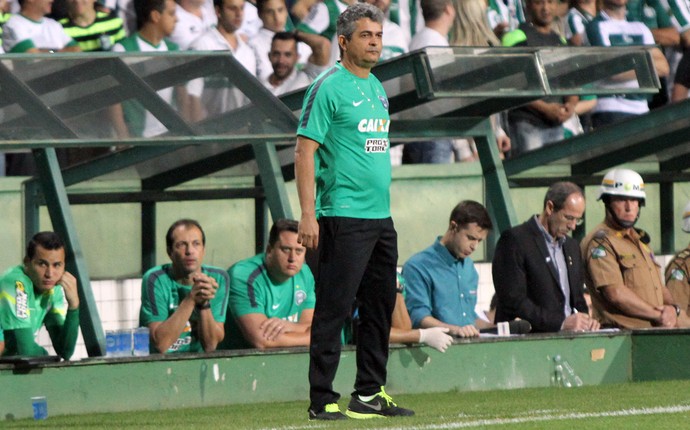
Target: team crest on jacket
[(384, 102), (300, 297)]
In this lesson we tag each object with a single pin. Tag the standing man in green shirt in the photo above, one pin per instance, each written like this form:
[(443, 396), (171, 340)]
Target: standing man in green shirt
[(343, 152), (40, 292)]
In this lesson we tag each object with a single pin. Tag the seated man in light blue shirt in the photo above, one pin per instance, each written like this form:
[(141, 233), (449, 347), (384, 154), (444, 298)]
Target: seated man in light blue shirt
[(442, 280)]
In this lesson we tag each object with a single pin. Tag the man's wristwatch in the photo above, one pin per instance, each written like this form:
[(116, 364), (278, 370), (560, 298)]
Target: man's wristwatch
[(201, 307), (677, 308)]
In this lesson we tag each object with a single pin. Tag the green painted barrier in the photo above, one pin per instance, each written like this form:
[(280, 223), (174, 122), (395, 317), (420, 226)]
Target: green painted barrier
[(661, 354), (224, 378)]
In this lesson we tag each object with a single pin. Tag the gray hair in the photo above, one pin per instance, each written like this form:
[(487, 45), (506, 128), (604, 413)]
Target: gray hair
[(347, 21)]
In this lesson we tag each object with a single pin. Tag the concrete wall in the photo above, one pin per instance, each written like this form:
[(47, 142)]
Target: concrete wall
[(422, 198), (110, 234)]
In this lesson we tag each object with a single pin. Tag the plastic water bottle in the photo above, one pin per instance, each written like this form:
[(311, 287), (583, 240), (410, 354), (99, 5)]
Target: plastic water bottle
[(112, 343), (40, 407), (564, 374), (572, 377), (558, 371), (141, 341), (578, 381), (126, 346)]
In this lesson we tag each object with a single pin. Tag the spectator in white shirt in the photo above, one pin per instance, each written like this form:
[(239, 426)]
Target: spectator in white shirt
[(283, 58)]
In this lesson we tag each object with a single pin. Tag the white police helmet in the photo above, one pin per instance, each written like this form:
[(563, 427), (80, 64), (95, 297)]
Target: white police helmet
[(686, 218), (623, 182)]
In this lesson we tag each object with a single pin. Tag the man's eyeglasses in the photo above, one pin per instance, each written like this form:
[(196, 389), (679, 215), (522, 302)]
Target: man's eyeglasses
[(570, 218)]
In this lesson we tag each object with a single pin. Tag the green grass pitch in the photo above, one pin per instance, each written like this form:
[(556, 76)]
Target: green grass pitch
[(648, 405)]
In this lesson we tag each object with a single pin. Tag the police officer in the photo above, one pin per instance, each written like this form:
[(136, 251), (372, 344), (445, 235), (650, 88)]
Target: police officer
[(622, 274), (677, 273)]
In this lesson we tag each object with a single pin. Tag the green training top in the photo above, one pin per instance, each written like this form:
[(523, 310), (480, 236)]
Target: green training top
[(252, 291), (348, 116), (161, 295), (22, 310)]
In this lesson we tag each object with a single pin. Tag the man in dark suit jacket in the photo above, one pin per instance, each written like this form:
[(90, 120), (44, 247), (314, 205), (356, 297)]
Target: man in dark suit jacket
[(537, 269)]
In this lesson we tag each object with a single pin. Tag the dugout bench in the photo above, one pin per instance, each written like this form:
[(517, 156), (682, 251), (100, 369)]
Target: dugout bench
[(50, 101)]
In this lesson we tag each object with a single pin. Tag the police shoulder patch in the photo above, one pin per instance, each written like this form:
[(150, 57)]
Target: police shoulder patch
[(678, 274), (598, 252)]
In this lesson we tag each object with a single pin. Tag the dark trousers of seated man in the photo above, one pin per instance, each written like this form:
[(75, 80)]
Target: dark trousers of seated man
[(356, 259)]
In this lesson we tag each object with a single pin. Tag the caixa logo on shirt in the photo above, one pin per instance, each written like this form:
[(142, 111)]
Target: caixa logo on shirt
[(22, 305), (374, 125)]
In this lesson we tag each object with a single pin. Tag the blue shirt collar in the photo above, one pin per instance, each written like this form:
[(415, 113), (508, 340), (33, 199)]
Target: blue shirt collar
[(547, 236), (444, 254)]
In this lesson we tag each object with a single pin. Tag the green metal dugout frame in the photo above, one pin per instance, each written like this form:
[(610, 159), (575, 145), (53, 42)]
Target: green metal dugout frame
[(60, 101), (42, 104)]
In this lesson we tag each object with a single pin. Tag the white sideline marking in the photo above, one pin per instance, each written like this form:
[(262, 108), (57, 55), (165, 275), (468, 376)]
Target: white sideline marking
[(519, 420), (568, 416)]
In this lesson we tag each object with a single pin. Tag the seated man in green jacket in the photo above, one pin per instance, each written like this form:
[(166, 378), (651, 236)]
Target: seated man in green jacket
[(183, 302), (272, 295), (38, 292)]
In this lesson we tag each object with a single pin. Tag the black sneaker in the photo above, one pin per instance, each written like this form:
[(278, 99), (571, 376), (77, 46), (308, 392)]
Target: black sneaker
[(330, 412), (381, 406)]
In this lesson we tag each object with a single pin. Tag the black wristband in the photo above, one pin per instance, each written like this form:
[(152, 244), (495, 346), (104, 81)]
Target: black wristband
[(199, 307)]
